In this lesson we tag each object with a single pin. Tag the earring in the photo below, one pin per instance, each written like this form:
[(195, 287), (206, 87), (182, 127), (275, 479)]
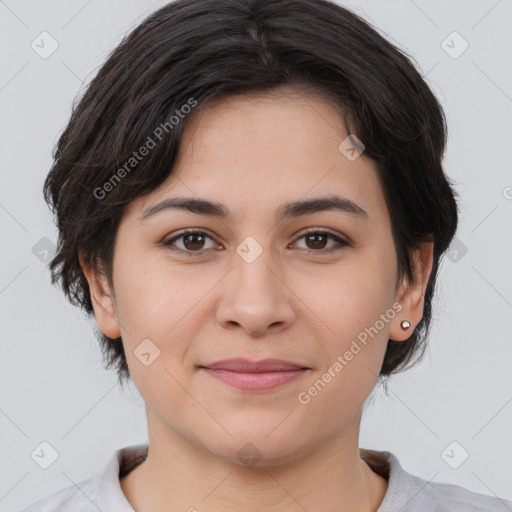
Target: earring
[(405, 325)]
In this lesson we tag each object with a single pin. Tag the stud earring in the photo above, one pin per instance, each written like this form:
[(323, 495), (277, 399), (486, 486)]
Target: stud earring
[(405, 325)]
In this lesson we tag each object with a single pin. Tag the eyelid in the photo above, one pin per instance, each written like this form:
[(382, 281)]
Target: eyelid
[(327, 231)]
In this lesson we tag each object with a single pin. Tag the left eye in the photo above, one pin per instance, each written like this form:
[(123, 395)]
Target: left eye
[(319, 237), (193, 241)]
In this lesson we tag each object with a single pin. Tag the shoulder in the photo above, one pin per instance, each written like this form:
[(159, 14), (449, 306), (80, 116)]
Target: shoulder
[(79, 498), (410, 493), (99, 492), (443, 497)]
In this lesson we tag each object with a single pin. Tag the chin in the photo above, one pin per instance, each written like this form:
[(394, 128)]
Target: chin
[(257, 449)]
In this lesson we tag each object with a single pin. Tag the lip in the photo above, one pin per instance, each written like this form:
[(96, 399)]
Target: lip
[(254, 375), (241, 365)]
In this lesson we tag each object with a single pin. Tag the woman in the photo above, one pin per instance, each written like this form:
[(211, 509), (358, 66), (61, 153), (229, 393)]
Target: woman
[(251, 201)]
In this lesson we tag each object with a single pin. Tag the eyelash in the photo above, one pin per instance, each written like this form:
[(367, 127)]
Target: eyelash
[(343, 243)]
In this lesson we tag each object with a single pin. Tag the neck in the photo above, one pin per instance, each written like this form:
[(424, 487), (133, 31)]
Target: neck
[(179, 475)]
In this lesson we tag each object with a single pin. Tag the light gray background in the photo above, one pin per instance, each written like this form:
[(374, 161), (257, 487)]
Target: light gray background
[(53, 387)]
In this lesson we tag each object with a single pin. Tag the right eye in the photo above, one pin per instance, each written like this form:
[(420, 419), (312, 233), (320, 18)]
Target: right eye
[(191, 239)]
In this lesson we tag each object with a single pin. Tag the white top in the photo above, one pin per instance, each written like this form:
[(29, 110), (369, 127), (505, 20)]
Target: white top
[(405, 493)]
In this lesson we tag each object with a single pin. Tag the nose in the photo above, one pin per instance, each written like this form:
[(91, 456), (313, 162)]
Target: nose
[(256, 298)]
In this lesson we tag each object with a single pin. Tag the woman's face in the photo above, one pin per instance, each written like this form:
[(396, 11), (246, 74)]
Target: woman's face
[(252, 285)]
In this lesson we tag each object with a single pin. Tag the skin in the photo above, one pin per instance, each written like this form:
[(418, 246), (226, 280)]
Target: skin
[(252, 154)]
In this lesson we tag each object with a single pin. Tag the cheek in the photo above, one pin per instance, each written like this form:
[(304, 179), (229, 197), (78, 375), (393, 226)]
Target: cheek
[(154, 294), (353, 349), (350, 297), (166, 305), (352, 308)]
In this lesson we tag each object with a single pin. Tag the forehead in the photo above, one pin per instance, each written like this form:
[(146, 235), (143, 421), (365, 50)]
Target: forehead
[(258, 150)]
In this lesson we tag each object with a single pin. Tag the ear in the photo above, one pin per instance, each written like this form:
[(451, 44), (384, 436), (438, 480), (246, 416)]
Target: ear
[(102, 299), (411, 294)]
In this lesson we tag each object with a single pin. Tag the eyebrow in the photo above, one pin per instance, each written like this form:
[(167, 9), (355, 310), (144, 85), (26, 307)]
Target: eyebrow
[(287, 210)]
